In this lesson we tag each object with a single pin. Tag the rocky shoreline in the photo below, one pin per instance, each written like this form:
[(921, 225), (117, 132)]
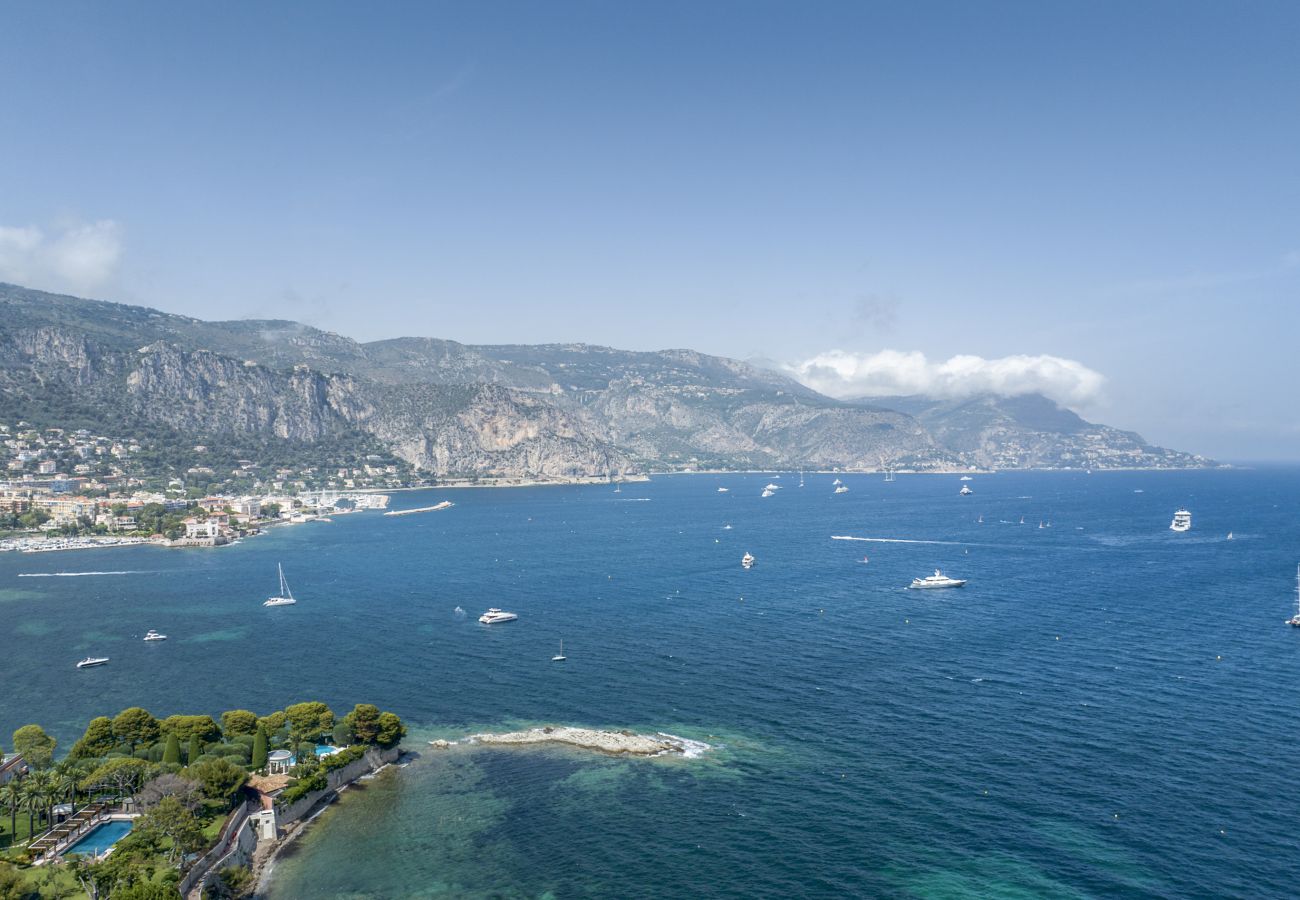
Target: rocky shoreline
[(613, 743)]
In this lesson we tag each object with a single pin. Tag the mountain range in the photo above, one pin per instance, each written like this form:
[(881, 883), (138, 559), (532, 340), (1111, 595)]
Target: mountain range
[(457, 410)]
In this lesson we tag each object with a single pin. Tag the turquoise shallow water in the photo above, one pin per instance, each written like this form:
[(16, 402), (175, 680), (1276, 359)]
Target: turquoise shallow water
[(1104, 710)]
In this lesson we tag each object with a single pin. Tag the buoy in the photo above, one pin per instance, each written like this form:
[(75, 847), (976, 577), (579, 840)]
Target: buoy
[(1058, 637), (1218, 657)]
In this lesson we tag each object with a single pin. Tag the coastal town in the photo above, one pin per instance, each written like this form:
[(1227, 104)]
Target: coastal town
[(66, 489)]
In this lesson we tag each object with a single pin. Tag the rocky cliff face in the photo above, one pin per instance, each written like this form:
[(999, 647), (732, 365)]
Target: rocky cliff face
[(452, 409)]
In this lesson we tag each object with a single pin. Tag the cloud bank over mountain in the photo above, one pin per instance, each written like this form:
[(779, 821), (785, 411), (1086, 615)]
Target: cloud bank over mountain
[(75, 256), (840, 373)]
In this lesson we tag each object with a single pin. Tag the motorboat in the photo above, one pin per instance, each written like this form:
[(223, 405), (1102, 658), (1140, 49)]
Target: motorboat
[(1182, 521), (772, 487), (285, 597), (938, 580), (91, 661), (965, 489), (1230, 537), (842, 489), (767, 492), (965, 478), (152, 635), (723, 490), (747, 560), (495, 616), (837, 481)]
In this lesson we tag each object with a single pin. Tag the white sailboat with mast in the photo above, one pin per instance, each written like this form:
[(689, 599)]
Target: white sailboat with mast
[(285, 597), (560, 657)]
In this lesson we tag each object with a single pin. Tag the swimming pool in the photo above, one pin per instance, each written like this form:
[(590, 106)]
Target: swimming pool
[(102, 837), (325, 750)]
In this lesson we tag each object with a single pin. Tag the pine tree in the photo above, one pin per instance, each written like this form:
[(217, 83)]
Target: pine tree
[(194, 750)]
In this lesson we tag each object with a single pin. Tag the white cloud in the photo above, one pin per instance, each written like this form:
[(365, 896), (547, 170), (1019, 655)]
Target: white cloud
[(76, 257), (838, 373)]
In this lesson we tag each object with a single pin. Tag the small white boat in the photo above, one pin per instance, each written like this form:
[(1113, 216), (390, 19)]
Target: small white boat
[(772, 487), (1230, 537), (1182, 521), (747, 561), (494, 616), (965, 478), (1138, 491), (767, 492), (965, 489), (285, 597), (980, 520), (154, 636), (842, 489), (726, 527), (619, 489), (837, 481), (560, 657), (937, 580), (90, 661), (1294, 620), (723, 490)]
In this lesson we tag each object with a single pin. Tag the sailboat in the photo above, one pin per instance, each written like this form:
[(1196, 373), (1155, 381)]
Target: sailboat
[(285, 597), (889, 475), (1295, 620), (800, 478), (1230, 537), (560, 657)]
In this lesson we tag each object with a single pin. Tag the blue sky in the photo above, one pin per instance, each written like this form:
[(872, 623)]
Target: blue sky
[(1109, 190)]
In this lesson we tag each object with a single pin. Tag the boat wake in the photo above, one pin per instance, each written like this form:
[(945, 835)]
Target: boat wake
[(848, 537), (72, 574)]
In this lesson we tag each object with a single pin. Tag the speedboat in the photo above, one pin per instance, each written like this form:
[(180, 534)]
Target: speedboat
[(154, 636), (938, 580), (837, 481), (494, 616), (772, 487), (747, 560), (723, 490), (92, 661), (965, 489), (965, 478), (1182, 521), (842, 489)]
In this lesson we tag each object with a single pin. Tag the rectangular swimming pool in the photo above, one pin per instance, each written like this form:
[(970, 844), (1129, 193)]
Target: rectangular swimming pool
[(102, 837)]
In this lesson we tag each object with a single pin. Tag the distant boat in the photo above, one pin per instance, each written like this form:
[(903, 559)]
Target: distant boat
[(285, 597), (865, 560), (837, 481), (723, 490), (965, 490), (1182, 521), (1022, 520), (773, 487), (726, 527), (801, 478), (889, 475), (1138, 491), (494, 615), (1230, 537), (965, 478), (1294, 620), (90, 661), (1040, 523), (747, 561), (937, 580), (842, 489), (560, 657), (155, 636), (767, 492), (618, 489), (980, 520)]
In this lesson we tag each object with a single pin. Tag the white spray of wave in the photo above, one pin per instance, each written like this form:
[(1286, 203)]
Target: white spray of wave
[(846, 537), (71, 574)]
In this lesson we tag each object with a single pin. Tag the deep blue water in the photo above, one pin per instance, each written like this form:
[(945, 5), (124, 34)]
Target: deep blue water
[(103, 837), (1106, 709)]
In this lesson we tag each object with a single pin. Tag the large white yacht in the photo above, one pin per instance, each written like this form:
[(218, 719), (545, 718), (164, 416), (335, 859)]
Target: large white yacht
[(494, 616), (938, 580), (1182, 521), (285, 597), (92, 661), (747, 560), (155, 636)]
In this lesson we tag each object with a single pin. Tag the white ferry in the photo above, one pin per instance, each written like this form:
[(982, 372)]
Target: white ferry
[(1182, 521), (494, 616), (938, 580)]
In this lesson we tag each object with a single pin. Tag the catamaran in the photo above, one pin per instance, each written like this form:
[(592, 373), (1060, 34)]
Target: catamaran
[(1294, 620), (285, 597)]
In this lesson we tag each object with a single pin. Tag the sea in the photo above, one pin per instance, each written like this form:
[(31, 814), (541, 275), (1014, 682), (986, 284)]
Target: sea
[(1106, 709)]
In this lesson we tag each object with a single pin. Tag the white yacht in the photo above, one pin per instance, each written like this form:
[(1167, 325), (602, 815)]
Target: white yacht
[(772, 487), (726, 527), (723, 490), (837, 481), (842, 489), (965, 489), (154, 636), (494, 615), (1182, 521), (1230, 537), (964, 478), (747, 560), (285, 597), (767, 492), (889, 475), (1294, 620), (938, 580), (92, 661)]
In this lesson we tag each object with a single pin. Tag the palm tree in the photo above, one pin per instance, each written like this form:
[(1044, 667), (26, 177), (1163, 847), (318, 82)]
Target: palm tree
[(33, 801), (11, 794), (42, 785), (65, 785)]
